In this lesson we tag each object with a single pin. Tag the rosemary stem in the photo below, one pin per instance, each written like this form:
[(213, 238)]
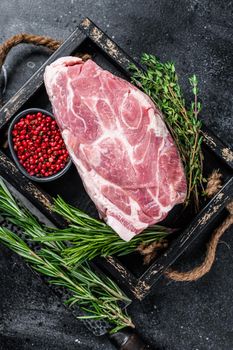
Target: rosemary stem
[(100, 294)]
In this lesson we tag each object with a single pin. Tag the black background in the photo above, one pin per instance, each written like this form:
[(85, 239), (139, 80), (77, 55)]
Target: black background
[(198, 37)]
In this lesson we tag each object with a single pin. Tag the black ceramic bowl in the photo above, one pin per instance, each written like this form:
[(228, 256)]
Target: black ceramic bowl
[(15, 157)]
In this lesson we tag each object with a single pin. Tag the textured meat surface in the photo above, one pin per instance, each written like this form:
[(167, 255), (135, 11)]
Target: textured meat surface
[(119, 143)]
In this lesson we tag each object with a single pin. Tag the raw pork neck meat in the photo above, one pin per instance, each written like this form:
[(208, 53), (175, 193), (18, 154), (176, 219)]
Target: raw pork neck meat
[(119, 143)]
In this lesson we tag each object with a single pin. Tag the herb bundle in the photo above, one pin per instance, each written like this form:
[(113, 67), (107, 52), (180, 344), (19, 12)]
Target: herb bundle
[(159, 81), (87, 237), (98, 296), (90, 237)]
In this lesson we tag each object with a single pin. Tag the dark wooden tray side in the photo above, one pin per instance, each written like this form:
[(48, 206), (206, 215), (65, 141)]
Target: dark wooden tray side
[(138, 287)]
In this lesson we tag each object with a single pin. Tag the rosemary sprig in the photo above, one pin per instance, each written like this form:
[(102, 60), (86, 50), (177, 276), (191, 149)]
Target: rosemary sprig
[(87, 236), (99, 296), (160, 82), (87, 244), (91, 237)]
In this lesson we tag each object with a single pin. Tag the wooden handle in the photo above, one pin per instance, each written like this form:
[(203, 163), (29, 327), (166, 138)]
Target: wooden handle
[(128, 339)]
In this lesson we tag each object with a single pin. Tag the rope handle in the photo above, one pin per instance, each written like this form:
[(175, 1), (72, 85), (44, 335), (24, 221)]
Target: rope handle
[(213, 183), (24, 38), (205, 267), (149, 251), (213, 186)]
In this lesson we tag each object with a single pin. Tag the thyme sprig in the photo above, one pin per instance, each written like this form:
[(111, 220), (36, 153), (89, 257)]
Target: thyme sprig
[(160, 81), (98, 296)]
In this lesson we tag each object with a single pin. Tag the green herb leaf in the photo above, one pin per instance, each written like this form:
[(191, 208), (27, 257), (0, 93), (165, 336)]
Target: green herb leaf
[(159, 80), (98, 295)]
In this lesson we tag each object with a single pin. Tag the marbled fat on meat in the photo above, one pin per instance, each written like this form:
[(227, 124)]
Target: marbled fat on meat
[(119, 143)]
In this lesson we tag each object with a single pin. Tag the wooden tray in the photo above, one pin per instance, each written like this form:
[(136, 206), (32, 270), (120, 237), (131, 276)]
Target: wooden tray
[(136, 279)]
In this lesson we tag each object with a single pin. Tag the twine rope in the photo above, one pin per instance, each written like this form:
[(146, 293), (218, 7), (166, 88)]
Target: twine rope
[(205, 267), (213, 184), (24, 38)]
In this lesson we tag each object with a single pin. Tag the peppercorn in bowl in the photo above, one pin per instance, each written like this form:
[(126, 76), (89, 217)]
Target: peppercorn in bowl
[(37, 146)]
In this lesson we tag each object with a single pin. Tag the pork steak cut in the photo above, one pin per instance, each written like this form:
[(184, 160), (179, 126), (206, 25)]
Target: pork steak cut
[(119, 143)]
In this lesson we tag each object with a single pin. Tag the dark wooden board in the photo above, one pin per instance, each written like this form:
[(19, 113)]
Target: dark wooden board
[(129, 271)]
